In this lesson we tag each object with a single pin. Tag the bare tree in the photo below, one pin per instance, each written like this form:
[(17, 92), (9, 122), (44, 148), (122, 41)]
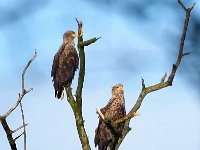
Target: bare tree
[(146, 90), (8, 131), (76, 101)]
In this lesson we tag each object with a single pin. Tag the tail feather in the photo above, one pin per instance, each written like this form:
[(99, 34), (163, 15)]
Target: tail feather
[(59, 94)]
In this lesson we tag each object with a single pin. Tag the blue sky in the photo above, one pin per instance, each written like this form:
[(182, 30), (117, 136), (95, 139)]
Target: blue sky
[(135, 43)]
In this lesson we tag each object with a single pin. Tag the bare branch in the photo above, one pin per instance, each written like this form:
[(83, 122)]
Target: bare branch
[(19, 136), (24, 71), (100, 114), (192, 6), (127, 117), (8, 133), (143, 85), (186, 9), (88, 42), (182, 41), (3, 118), (180, 2), (23, 90), (13, 108), (70, 97), (164, 77), (163, 83), (184, 54), (19, 128), (82, 65), (77, 20), (24, 125)]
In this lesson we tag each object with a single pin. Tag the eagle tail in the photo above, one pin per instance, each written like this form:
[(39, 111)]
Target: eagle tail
[(59, 94)]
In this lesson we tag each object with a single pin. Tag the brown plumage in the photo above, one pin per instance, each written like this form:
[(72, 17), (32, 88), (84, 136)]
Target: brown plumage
[(115, 109), (65, 63)]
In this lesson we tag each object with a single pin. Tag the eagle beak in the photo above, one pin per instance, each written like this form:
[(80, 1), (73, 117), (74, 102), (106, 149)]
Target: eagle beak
[(120, 88), (75, 35)]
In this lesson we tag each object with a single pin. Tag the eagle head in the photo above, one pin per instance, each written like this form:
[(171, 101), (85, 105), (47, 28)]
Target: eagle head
[(117, 89), (69, 36)]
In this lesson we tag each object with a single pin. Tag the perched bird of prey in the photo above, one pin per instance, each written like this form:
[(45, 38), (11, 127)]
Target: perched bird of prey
[(115, 109), (65, 63)]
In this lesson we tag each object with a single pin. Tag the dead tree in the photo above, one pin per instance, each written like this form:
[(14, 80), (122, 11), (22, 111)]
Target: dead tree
[(76, 101), (8, 131), (164, 82)]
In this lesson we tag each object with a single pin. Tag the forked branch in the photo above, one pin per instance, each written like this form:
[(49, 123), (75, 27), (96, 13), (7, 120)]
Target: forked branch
[(162, 84), (23, 89), (3, 121)]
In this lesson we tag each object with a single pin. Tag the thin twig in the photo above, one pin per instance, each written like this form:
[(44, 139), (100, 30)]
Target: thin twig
[(100, 114), (23, 90), (164, 77), (143, 84), (24, 71), (180, 2), (184, 54), (24, 125), (19, 136), (19, 128)]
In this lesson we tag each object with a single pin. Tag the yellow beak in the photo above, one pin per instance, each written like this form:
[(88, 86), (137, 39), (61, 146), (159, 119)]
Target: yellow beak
[(75, 35), (120, 88)]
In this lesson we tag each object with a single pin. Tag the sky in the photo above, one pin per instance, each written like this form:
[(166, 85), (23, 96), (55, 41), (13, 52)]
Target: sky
[(139, 39)]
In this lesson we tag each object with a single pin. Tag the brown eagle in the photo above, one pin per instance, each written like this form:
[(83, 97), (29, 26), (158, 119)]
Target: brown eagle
[(65, 63), (115, 109)]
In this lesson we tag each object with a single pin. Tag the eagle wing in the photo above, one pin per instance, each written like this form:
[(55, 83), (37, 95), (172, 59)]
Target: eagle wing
[(64, 66), (56, 60), (102, 133)]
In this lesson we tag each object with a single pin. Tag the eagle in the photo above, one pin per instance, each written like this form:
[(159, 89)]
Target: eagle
[(115, 109), (65, 63)]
